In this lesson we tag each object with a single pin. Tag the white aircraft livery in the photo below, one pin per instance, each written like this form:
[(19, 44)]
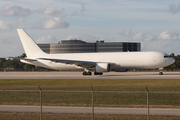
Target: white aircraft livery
[(92, 62)]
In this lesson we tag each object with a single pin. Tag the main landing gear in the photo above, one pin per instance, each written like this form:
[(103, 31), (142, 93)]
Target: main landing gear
[(98, 73), (86, 72), (89, 73), (160, 71)]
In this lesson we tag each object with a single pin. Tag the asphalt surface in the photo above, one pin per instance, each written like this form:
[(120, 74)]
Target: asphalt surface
[(78, 75), (88, 110)]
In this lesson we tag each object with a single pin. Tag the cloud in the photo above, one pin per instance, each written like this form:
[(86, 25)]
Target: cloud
[(19, 23), (173, 9), (110, 39), (75, 14), (165, 35), (143, 36), (168, 35), (54, 23), (48, 39), (73, 37), (82, 8), (51, 11), (4, 41), (139, 36), (15, 11), (83, 37), (4, 25), (90, 38), (126, 32)]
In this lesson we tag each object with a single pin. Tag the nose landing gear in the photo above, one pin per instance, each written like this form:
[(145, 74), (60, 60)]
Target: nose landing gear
[(160, 71)]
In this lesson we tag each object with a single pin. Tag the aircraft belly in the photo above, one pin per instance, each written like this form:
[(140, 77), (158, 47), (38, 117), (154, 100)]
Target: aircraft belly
[(132, 64), (62, 66)]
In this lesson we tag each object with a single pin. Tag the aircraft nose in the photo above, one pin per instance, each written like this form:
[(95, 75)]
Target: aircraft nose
[(171, 60)]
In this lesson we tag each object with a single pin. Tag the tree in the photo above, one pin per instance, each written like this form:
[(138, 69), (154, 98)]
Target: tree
[(172, 55), (176, 64), (23, 55), (28, 67), (2, 60), (12, 64)]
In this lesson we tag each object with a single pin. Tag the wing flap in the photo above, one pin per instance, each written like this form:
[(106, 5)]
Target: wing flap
[(86, 64)]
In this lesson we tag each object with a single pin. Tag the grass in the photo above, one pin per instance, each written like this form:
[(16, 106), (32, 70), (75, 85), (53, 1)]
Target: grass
[(52, 116), (84, 99), (98, 85)]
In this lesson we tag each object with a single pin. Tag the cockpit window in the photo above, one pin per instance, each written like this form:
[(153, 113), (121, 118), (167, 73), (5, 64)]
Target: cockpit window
[(166, 56)]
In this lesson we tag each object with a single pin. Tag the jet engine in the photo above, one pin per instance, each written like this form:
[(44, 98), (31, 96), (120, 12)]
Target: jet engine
[(102, 67)]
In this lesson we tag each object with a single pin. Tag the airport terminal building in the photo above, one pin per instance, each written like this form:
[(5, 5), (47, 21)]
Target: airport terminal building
[(79, 46)]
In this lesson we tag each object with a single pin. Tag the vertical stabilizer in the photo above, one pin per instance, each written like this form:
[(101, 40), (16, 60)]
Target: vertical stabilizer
[(30, 47)]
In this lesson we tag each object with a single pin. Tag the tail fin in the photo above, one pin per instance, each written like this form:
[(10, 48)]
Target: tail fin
[(30, 47)]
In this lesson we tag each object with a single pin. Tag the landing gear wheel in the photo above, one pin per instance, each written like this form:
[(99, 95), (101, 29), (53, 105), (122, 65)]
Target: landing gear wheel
[(87, 73), (98, 73), (160, 73), (84, 73)]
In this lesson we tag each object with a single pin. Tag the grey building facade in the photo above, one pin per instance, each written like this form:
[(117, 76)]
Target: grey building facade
[(45, 47), (72, 46), (78, 46)]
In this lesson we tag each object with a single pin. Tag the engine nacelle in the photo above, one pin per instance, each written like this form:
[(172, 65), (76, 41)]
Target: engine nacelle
[(102, 67)]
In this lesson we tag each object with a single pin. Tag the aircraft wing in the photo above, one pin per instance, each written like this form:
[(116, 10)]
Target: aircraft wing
[(27, 59), (84, 64)]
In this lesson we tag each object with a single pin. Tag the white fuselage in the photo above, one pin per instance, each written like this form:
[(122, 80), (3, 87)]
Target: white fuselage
[(98, 62), (123, 60)]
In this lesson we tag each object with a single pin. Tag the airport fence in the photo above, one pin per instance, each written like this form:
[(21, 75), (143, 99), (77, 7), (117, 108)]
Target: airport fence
[(91, 99)]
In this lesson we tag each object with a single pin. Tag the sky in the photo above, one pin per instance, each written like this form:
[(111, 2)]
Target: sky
[(153, 23)]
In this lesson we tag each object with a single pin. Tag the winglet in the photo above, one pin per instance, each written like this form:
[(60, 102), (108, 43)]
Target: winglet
[(30, 47)]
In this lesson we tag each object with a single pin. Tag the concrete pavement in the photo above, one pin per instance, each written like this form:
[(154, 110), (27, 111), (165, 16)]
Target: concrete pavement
[(78, 75), (88, 110)]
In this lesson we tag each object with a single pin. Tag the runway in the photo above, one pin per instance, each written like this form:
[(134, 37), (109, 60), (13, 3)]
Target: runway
[(78, 75), (88, 110)]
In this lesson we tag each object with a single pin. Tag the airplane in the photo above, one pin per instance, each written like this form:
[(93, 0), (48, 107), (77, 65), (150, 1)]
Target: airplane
[(92, 62)]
